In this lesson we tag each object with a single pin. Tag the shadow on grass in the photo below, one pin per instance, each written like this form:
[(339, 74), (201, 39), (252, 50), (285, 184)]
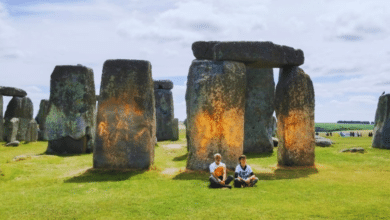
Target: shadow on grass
[(62, 155), (253, 155), (278, 174), (181, 158), (101, 175)]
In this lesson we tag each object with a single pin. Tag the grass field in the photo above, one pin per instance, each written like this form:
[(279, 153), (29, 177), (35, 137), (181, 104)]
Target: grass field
[(343, 127), (341, 186)]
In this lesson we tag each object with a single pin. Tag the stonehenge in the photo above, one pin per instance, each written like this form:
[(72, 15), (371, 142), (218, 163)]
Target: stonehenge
[(164, 109), (381, 132), (175, 129), (32, 131), (215, 99), (70, 121), (261, 98), (126, 116), (41, 119)]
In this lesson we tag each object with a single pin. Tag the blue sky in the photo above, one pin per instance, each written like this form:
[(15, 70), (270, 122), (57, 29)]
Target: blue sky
[(345, 42)]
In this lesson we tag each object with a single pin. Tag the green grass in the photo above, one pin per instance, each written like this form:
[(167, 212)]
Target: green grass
[(342, 186), (343, 127)]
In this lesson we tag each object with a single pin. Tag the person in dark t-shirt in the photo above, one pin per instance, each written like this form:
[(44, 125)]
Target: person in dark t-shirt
[(244, 176)]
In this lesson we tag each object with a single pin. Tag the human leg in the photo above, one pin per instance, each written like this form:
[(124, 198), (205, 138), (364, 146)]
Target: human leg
[(214, 183), (254, 181), (238, 183), (228, 180)]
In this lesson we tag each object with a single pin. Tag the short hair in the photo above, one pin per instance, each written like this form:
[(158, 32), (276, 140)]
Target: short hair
[(217, 154), (241, 157)]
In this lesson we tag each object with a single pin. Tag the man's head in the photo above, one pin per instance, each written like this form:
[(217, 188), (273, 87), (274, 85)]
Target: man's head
[(217, 158), (242, 160)]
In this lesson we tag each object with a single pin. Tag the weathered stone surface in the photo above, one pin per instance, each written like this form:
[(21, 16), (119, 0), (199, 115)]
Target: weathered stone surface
[(259, 107), (163, 84), (32, 131), (203, 50), (164, 114), (12, 91), (13, 127), (273, 127), (215, 100), (175, 129), (1, 119), (126, 119), (263, 54), (13, 144), (21, 108), (70, 116), (322, 142), (41, 119), (294, 105), (381, 133)]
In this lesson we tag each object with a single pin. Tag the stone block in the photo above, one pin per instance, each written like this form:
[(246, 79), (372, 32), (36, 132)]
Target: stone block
[(259, 107), (164, 114), (381, 132), (12, 91), (32, 131), (163, 84), (294, 106), (1, 119), (41, 119), (21, 108), (175, 129), (215, 100), (13, 127), (126, 118), (71, 112)]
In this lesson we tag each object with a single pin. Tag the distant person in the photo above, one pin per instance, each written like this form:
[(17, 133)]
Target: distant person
[(342, 134), (317, 133), (327, 134), (244, 176), (331, 134), (218, 174)]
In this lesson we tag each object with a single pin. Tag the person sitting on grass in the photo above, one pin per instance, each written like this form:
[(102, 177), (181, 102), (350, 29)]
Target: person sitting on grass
[(244, 176), (218, 174)]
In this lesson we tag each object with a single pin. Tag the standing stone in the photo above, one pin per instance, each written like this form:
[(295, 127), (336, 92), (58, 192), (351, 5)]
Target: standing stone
[(164, 109), (1, 119), (13, 128), (175, 129), (382, 123), (21, 108), (126, 118), (32, 131), (259, 107), (273, 126), (41, 119), (294, 105), (70, 120), (215, 100)]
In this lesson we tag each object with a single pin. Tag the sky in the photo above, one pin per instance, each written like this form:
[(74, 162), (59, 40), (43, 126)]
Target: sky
[(345, 43)]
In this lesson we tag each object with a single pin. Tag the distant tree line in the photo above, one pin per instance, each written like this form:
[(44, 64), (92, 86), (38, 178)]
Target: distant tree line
[(355, 122)]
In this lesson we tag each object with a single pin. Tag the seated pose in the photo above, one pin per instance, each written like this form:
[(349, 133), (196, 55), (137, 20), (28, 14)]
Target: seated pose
[(244, 175), (218, 174)]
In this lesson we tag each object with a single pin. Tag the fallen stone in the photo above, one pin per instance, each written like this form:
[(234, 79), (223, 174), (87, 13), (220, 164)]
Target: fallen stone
[(294, 105), (175, 129), (275, 141), (126, 118), (381, 132), (259, 107), (322, 142), (261, 54), (71, 113), (41, 119), (13, 143), (12, 91), (21, 108), (215, 100), (353, 150), (163, 84), (32, 131), (164, 114)]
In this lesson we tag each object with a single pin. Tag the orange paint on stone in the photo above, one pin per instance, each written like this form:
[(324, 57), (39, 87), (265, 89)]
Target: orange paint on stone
[(296, 129)]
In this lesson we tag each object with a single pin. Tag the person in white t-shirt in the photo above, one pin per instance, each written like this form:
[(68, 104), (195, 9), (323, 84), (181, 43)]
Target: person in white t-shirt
[(243, 175), (218, 177)]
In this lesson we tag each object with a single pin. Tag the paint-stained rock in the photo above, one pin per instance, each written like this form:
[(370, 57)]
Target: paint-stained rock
[(12, 91), (21, 108), (13, 127), (381, 133), (175, 129), (126, 118), (70, 121), (322, 142), (215, 100), (264, 54), (32, 131), (294, 106), (41, 119), (164, 114), (259, 107), (163, 84)]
